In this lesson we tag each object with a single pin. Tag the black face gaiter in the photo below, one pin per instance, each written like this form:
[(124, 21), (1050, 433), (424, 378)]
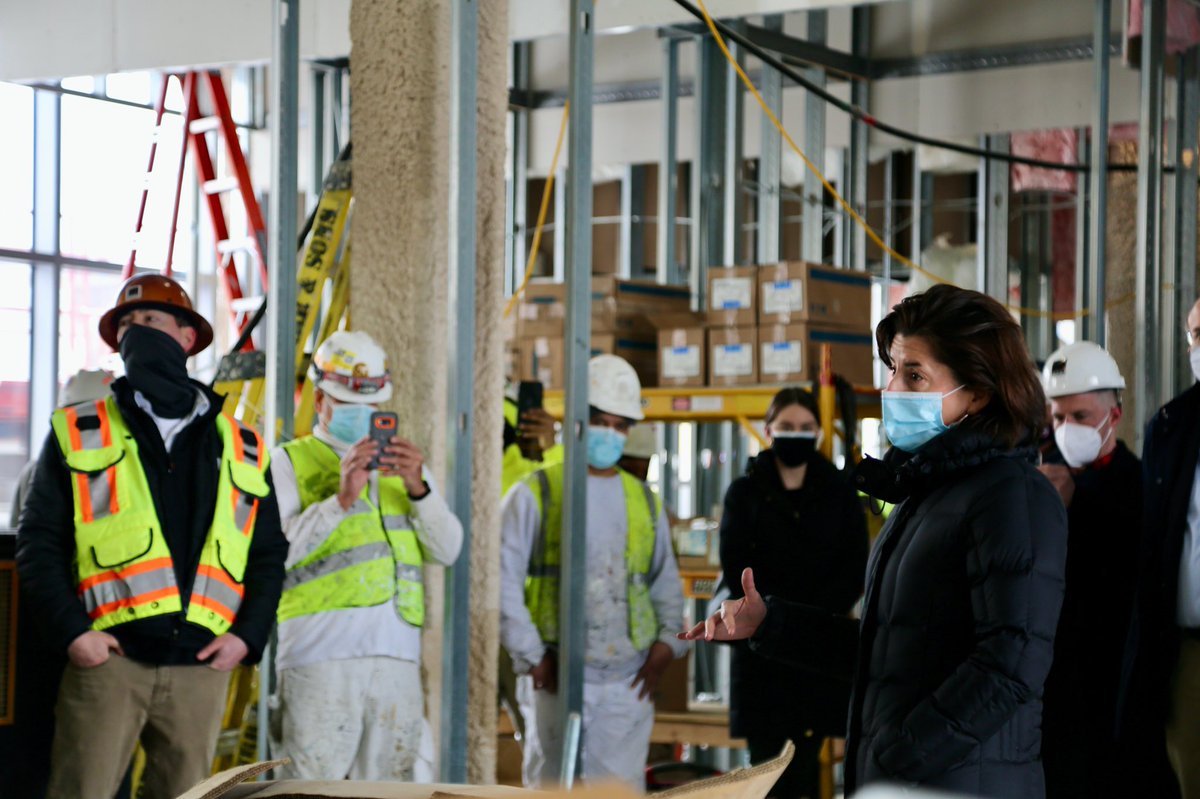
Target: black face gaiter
[(794, 450), (156, 365)]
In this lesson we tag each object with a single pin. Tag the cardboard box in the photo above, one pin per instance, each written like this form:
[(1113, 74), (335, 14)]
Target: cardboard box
[(796, 291), (682, 357), (852, 353), (792, 353), (732, 296), (543, 358), (618, 306), (783, 354), (641, 353), (732, 356)]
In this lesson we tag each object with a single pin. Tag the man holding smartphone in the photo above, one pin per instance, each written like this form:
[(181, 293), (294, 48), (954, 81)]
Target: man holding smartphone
[(353, 601)]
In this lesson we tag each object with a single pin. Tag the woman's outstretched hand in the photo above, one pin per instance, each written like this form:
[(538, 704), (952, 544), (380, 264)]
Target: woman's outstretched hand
[(737, 619)]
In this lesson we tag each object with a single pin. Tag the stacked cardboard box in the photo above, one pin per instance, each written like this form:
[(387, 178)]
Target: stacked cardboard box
[(622, 311), (802, 306), (732, 340)]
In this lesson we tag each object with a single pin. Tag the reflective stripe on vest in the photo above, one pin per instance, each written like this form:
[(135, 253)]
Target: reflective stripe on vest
[(371, 557), (542, 578), (124, 569)]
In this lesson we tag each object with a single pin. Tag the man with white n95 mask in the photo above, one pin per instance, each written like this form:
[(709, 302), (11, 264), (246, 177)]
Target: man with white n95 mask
[(634, 596), (1099, 480)]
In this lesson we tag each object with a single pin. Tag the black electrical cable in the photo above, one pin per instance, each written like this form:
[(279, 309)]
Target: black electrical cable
[(864, 118)]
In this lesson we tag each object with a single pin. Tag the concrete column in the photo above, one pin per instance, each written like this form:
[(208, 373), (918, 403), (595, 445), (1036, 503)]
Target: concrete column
[(400, 117)]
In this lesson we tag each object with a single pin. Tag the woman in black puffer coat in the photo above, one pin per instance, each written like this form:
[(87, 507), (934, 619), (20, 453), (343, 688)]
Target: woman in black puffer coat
[(965, 583), (797, 522)]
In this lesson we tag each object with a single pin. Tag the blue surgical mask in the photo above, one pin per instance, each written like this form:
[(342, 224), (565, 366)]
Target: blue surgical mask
[(604, 447), (911, 419), (349, 422)]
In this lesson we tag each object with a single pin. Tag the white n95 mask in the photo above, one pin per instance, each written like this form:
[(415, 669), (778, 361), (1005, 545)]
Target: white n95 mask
[(1079, 443)]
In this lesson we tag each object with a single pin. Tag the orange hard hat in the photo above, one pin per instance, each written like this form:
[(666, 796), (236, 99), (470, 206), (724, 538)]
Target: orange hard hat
[(154, 291)]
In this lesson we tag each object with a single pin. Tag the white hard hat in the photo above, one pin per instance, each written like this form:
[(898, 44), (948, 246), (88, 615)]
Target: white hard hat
[(613, 387), (84, 385), (1079, 368), (350, 367), (642, 441)]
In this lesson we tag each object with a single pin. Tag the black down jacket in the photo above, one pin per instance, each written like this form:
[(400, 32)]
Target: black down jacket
[(807, 546), (963, 593)]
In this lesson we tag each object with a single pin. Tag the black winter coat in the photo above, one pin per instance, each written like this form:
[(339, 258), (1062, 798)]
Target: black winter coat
[(963, 592), (1079, 748), (183, 484), (807, 546), (1169, 453)]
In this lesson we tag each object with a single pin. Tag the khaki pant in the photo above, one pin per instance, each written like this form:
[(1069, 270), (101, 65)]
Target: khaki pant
[(1183, 725), (102, 713)]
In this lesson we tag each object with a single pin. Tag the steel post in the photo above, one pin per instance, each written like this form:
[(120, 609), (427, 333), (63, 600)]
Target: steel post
[(1186, 146), (770, 159), (572, 626), (668, 173), (1148, 310), (813, 238), (1093, 323)]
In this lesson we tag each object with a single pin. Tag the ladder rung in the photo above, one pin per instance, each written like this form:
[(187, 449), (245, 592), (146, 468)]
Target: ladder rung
[(245, 304), (205, 124), (234, 245), (218, 185)]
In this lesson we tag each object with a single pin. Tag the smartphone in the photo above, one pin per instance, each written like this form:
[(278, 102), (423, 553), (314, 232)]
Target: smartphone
[(529, 397), (383, 428)]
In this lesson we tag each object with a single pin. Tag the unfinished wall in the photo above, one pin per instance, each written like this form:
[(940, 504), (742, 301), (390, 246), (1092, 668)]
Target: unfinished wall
[(400, 81), (1121, 281)]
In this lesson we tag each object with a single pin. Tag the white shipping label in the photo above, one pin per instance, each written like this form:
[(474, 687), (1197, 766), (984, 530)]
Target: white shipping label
[(680, 362), (733, 360), (731, 293), (783, 296), (782, 358)]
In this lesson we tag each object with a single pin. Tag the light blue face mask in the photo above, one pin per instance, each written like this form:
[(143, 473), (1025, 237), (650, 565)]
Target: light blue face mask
[(604, 447), (350, 422), (911, 419)]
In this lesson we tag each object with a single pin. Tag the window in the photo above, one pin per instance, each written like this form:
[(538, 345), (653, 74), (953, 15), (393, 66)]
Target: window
[(15, 331), (83, 297), (16, 167)]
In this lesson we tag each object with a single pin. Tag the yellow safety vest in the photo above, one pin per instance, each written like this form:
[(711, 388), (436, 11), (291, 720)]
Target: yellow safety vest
[(642, 509), (372, 557), (124, 570)]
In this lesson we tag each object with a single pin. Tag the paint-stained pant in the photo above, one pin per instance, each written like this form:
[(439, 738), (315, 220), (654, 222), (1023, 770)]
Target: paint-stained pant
[(616, 730), (357, 719)]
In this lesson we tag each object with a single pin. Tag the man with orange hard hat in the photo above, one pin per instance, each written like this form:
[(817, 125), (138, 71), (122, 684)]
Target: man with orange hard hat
[(150, 549)]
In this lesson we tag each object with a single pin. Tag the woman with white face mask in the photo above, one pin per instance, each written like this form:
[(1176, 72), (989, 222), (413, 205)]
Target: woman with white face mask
[(1100, 482), (795, 520), (965, 582)]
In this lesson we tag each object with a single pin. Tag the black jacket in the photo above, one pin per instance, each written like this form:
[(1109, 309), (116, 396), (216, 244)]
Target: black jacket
[(1078, 743), (962, 598), (1169, 452), (807, 546), (183, 484)]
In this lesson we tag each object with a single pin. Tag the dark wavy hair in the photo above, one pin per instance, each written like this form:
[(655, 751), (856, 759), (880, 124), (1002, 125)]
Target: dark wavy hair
[(977, 338), (792, 395)]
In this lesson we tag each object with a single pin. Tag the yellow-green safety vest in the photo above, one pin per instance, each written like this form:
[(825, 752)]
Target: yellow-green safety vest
[(123, 567), (516, 467), (372, 557), (642, 510)]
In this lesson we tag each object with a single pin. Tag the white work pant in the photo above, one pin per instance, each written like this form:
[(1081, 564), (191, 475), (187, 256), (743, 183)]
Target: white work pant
[(357, 719), (615, 738)]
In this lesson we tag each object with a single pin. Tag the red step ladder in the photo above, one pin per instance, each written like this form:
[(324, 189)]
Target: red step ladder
[(216, 119)]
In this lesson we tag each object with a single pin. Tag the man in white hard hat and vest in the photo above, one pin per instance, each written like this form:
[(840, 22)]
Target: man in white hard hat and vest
[(1099, 480), (150, 548), (354, 598), (634, 596)]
